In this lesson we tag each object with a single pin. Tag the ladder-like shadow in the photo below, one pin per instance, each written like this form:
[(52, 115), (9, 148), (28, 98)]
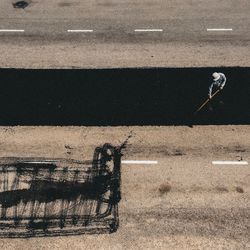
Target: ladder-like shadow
[(42, 197)]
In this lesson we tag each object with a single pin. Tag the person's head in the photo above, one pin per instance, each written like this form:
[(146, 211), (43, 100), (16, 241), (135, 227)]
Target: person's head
[(216, 76)]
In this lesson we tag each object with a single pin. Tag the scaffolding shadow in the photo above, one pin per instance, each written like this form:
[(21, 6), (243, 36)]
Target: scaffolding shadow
[(43, 197)]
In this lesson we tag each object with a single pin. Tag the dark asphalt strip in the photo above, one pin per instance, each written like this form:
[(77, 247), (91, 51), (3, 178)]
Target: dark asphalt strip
[(162, 96)]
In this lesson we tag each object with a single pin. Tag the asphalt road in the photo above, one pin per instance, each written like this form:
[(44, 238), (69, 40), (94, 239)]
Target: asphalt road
[(122, 97), (176, 34), (204, 206)]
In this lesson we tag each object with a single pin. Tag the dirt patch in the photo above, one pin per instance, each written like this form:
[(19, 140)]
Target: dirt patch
[(178, 152), (68, 147), (236, 149), (164, 188), (239, 190), (66, 4), (221, 189)]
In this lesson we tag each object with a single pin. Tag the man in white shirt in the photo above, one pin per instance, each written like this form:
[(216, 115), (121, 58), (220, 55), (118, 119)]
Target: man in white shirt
[(219, 81)]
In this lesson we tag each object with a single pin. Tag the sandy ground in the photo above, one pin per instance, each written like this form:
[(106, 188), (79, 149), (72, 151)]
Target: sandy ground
[(116, 55), (184, 41), (184, 202)]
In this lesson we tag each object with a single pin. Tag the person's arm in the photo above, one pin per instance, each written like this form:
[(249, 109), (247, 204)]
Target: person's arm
[(224, 81), (210, 89)]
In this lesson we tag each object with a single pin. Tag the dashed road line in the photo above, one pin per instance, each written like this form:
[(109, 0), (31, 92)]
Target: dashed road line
[(11, 30), (148, 30), (139, 162), (80, 31), (220, 29), (229, 162)]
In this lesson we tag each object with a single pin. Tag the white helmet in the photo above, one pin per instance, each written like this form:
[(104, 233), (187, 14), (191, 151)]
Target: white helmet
[(216, 76)]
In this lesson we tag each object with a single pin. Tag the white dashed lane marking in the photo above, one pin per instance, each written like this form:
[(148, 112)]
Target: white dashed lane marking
[(80, 31), (219, 29), (148, 30), (10, 30), (90, 30), (229, 162)]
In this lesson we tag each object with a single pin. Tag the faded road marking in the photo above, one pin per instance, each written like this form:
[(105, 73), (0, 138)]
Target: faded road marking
[(229, 162), (40, 162)]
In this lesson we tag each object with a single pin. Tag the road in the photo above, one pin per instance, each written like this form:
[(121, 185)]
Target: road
[(176, 34), (122, 97), (183, 202)]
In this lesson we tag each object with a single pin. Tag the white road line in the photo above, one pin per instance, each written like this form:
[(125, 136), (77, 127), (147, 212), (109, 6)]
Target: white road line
[(148, 30), (39, 162), (80, 31), (139, 162), (229, 162), (9, 30), (219, 29)]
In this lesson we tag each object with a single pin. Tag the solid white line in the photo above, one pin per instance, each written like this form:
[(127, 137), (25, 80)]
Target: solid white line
[(139, 162), (8, 30), (148, 30), (229, 162), (79, 31), (219, 29)]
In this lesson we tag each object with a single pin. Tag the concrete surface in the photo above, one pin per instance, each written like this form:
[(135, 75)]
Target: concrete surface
[(184, 41), (206, 206)]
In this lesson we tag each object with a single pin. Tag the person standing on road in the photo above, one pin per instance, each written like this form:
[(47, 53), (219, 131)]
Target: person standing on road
[(219, 81)]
